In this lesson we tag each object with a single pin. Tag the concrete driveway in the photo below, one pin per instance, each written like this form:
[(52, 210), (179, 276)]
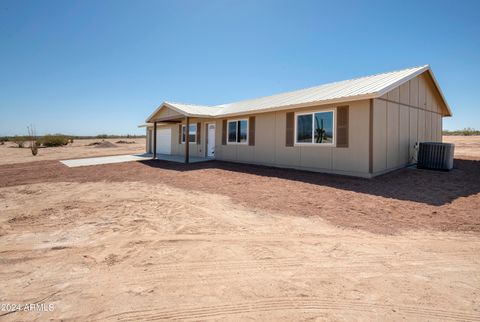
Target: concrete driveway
[(105, 160)]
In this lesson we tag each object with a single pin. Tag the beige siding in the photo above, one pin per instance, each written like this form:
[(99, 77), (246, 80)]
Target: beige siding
[(421, 125), (270, 148), (315, 157), (284, 156), (264, 136), (428, 126), (414, 92), (413, 128), (439, 129), (405, 93), (407, 114), (393, 139), (422, 97), (394, 94), (379, 136), (404, 143), (167, 112), (433, 134), (356, 156)]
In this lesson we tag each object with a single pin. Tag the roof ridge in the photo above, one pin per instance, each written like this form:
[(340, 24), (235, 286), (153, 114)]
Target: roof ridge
[(320, 85), (189, 104)]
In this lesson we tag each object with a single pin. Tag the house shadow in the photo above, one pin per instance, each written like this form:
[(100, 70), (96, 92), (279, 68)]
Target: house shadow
[(423, 186)]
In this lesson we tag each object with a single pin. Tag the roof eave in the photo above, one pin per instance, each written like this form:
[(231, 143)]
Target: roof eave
[(440, 91)]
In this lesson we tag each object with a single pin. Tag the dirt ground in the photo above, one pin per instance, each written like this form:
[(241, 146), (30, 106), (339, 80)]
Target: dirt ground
[(10, 153), (465, 146), (218, 241)]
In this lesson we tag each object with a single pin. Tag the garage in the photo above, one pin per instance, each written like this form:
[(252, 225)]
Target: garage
[(164, 141)]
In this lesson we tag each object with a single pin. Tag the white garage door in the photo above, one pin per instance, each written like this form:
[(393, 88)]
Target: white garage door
[(164, 141)]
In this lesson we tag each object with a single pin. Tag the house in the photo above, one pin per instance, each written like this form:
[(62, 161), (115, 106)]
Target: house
[(361, 127)]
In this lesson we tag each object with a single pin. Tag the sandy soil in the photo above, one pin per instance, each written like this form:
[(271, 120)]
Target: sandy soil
[(465, 146), (221, 241), (10, 154)]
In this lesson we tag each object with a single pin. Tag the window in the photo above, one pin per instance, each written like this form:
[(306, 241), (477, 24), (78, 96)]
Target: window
[(192, 133), (304, 128), (238, 131), (314, 128)]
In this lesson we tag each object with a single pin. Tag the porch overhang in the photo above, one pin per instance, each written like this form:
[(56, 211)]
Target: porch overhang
[(179, 114)]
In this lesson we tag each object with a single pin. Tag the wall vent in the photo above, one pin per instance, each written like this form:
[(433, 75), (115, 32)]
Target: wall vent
[(435, 155)]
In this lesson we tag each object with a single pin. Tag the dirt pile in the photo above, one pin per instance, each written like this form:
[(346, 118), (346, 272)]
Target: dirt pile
[(103, 144)]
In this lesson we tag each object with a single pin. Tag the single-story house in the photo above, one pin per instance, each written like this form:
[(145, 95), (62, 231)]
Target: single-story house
[(361, 127)]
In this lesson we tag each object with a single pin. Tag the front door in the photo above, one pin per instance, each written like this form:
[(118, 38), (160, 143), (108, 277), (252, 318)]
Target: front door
[(211, 141)]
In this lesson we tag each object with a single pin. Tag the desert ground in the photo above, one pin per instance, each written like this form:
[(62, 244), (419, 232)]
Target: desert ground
[(10, 153), (465, 146), (154, 240)]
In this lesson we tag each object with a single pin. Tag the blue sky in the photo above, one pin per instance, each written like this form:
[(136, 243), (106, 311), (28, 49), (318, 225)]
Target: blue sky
[(90, 67)]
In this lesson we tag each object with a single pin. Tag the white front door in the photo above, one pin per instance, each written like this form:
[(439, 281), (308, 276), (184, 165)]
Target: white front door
[(211, 141), (164, 141)]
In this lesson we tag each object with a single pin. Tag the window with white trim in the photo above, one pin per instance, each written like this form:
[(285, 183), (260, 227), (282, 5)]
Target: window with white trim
[(192, 133), (237, 132), (314, 128)]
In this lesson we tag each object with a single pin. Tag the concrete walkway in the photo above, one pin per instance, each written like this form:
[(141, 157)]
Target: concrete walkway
[(105, 160), (127, 158)]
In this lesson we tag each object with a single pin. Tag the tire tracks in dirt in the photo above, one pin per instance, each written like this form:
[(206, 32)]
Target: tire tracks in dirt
[(285, 304)]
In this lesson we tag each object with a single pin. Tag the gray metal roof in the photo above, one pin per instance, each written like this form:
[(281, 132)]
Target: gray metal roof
[(349, 90)]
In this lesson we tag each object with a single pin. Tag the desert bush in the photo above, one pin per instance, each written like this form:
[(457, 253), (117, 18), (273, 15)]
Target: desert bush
[(102, 136), (124, 142), (51, 140), (19, 140), (466, 131), (71, 140), (32, 137), (34, 150)]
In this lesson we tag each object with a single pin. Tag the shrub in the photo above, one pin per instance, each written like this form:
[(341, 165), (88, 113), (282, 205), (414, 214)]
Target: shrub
[(466, 131), (50, 140), (32, 136), (71, 140), (19, 141), (102, 136)]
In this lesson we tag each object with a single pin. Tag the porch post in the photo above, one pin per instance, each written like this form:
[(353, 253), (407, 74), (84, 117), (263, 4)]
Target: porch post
[(187, 139), (154, 140)]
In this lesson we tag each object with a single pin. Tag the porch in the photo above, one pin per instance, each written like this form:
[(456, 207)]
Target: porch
[(176, 137), (179, 158)]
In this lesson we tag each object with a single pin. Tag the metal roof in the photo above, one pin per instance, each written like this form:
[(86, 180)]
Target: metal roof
[(349, 90), (194, 109)]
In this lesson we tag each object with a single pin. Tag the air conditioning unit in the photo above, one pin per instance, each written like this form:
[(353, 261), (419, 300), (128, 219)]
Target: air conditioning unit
[(435, 155)]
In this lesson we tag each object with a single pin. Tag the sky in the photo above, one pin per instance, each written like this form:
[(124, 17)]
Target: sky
[(93, 67)]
